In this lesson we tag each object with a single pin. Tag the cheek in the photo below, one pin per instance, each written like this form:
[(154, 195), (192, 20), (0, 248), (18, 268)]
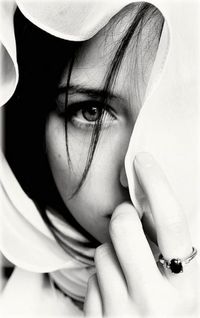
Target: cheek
[(101, 192), (66, 178), (107, 161)]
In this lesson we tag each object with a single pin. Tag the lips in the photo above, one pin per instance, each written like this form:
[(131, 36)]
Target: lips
[(109, 216)]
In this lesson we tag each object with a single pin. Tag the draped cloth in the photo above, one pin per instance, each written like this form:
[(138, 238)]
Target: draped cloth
[(167, 126)]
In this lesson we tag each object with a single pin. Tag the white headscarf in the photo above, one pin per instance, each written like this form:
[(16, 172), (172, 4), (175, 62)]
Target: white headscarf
[(167, 125)]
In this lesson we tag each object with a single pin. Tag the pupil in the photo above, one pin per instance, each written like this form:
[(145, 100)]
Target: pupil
[(91, 113)]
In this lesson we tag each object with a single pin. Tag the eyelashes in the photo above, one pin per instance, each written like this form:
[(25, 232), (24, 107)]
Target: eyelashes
[(84, 115)]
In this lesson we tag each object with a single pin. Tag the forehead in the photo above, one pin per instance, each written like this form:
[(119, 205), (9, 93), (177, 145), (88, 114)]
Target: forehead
[(100, 49), (94, 57)]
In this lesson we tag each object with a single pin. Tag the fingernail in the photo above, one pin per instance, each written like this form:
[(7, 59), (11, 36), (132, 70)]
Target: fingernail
[(144, 159)]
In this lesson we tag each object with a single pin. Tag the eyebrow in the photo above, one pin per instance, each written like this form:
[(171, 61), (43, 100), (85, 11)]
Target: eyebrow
[(88, 91)]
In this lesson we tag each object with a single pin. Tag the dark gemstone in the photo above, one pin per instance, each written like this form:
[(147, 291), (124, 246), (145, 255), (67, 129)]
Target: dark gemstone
[(176, 266)]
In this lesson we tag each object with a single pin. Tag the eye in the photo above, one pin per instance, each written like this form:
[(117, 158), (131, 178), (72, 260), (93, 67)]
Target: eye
[(86, 114), (91, 113)]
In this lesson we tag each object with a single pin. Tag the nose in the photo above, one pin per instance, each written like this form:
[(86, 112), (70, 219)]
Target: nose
[(123, 178)]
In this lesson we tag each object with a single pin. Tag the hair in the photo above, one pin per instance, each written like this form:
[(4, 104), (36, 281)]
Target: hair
[(42, 59)]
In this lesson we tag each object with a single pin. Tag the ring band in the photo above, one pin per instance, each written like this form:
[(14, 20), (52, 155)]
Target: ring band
[(176, 264)]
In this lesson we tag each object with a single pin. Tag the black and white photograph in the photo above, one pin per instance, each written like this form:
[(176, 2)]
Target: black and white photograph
[(100, 158)]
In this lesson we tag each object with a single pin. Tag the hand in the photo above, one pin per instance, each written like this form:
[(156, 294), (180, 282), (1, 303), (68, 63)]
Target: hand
[(128, 281)]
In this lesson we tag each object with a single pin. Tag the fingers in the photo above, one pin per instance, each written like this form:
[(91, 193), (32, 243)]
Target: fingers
[(112, 283), (110, 278), (93, 303), (171, 226), (172, 230), (133, 251)]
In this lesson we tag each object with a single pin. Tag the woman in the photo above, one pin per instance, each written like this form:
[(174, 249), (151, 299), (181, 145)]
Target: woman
[(67, 131)]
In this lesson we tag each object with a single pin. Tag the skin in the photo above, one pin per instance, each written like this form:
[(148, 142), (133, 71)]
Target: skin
[(106, 185), (137, 287)]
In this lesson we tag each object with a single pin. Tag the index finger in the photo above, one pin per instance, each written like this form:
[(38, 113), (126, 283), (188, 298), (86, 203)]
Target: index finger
[(171, 226)]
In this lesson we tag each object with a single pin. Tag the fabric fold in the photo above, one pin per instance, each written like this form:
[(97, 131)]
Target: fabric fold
[(167, 125), (8, 61)]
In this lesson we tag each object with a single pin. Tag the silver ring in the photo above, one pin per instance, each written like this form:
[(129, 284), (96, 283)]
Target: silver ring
[(176, 264)]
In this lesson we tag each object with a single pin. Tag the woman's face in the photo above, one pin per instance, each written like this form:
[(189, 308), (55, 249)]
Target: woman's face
[(105, 186)]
